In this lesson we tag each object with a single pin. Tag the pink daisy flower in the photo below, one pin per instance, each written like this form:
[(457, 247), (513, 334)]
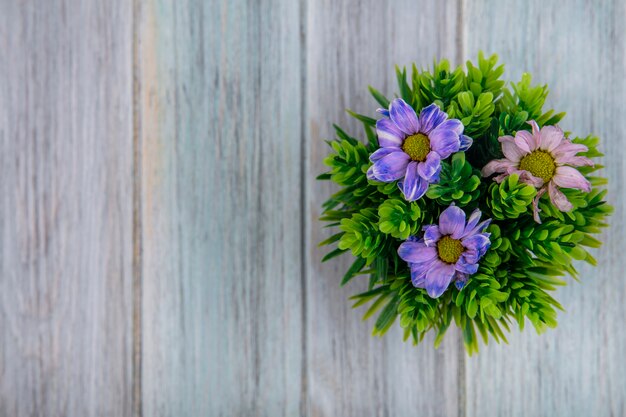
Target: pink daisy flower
[(545, 159)]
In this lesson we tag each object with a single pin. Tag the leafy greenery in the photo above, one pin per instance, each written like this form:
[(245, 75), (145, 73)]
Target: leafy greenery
[(458, 182), (510, 199), (526, 260)]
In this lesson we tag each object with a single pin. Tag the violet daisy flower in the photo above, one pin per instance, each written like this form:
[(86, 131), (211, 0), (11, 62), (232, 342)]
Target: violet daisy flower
[(412, 147), (447, 251), (544, 159)]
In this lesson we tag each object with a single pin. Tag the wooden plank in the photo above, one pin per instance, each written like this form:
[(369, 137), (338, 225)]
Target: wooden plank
[(66, 208), (220, 127), (351, 44), (578, 368)]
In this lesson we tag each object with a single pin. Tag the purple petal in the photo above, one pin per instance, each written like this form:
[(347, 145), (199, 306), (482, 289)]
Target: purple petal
[(431, 117), (389, 134), (445, 138), (428, 168), (476, 246), (391, 167), (413, 186), (382, 111), (472, 221), (568, 177), (452, 222), (404, 116), (431, 235), (438, 278), (382, 152), (466, 267), (466, 142), (370, 173), (416, 252), (418, 273), (460, 280)]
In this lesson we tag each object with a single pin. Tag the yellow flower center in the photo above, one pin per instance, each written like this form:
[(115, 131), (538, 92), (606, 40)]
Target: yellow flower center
[(540, 164), (449, 249), (417, 147)]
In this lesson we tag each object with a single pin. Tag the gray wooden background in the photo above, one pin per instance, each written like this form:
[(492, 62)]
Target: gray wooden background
[(158, 209)]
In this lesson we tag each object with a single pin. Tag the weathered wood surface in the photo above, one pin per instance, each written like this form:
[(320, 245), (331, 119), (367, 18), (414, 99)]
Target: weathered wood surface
[(351, 44), (577, 369), (220, 126), (159, 209), (66, 208)]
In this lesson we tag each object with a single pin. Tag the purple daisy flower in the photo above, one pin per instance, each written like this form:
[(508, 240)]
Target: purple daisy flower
[(447, 251), (412, 147)]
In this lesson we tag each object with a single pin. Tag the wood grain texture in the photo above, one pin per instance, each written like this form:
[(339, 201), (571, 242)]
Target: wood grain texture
[(577, 369), (220, 129), (351, 44), (65, 208)]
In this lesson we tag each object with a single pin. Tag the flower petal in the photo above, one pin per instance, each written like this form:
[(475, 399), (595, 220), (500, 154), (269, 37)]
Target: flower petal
[(568, 177), (389, 134), (391, 167), (452, 222), (524, 137), (431, 235), (460, 280), (444, 139), (466, 142), (528, 178), (416, 252), (497, 165), (510, 149), (558, 198), (536, 209), (404, 116), (438, 278), (413, 186), (462, 265), (567, 148), (431, 117), (535, 129), (480, 242), (577, 161), (551, 137), (428, 168), (418, 274), (382, 111), (382, 152)]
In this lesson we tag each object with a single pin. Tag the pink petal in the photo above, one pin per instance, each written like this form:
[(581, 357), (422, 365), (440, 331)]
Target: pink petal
[(551, 137), (536, 131), (536, 210), (497, 165), (525, 141), (528, 178), (577, 161), (510, 149), (558, 198), (567, 148), (568, 177)]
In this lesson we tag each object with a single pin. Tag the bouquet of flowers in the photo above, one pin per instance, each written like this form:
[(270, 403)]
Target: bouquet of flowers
[(464, 201)]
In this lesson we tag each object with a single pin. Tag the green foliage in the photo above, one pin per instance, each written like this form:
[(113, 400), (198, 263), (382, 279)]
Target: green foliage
[(510, 199), (399, 218), (526, 260), (458, 183), (361, 235)]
